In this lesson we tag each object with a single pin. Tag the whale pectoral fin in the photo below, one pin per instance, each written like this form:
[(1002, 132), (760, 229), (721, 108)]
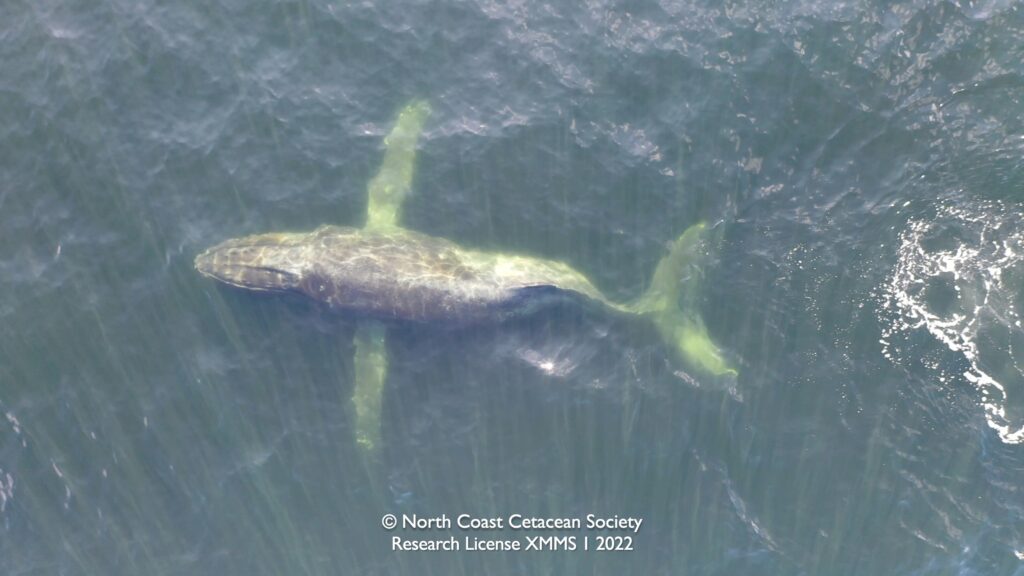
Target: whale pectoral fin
[(370, 371), (391, 185), (386, 192)]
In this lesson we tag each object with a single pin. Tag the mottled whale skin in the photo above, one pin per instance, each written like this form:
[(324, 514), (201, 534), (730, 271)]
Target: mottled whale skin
[(395, 274)]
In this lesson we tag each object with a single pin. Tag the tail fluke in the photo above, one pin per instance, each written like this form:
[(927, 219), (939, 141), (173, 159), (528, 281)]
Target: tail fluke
[(672, 302)]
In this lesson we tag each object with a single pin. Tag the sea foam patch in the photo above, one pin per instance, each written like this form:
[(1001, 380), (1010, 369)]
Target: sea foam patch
[(960, 277)]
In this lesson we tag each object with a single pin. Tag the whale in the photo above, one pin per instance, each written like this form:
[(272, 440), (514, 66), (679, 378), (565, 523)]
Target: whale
[(382, 273)]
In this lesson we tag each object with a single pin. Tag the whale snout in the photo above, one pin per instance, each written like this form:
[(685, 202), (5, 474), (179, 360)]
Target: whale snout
[(264, 262)]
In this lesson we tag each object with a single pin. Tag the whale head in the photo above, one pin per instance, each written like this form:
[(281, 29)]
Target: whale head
[(261, 262)]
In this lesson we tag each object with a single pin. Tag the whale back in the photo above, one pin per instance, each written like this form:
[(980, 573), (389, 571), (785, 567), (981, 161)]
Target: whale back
[(403, 275)]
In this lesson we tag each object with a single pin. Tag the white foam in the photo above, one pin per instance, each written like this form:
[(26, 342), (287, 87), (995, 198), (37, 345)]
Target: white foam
[(6, 489), (986, 246), (549, 364)]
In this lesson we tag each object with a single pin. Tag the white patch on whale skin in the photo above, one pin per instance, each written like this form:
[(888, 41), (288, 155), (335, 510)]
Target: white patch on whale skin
[(969, 249)]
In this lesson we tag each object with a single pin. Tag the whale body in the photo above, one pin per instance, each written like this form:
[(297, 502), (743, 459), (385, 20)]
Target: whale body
[(391, 273), (396, 274)]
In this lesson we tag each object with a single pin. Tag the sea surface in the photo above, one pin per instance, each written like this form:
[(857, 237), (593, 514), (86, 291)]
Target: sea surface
[(863, 163)]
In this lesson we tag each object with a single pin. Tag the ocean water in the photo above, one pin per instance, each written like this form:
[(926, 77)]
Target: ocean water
[(864, 160)]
